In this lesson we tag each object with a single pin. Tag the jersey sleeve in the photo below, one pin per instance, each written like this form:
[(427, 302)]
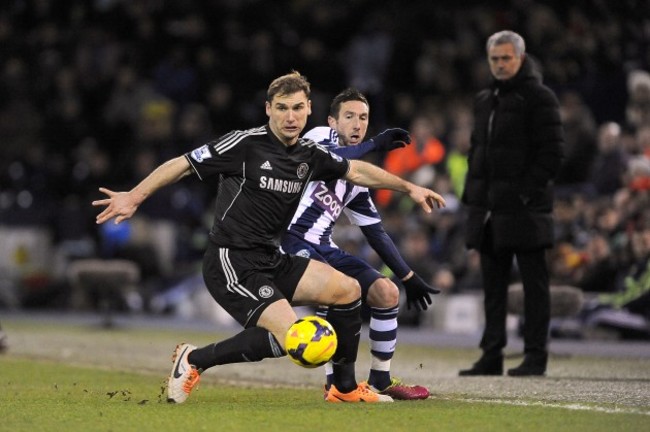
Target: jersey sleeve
[(327, 165), (355, 151), (380, 242), (222, 156), (323, 135), (361, 209), (328, 138)]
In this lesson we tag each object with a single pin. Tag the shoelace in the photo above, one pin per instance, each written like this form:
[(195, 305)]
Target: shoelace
[(365, 389), (191, 381), (393, 383)]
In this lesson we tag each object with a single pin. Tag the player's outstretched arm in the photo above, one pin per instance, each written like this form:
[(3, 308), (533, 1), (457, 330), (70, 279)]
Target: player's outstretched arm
[(418, 292), (122, 205), (391, 139), (388, 140), (368, 175)]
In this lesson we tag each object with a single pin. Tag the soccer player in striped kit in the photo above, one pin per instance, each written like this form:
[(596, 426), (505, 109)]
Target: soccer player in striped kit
[(310, 235)]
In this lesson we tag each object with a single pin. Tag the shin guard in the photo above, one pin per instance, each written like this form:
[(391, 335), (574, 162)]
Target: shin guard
[(250, 345), (346, 320)]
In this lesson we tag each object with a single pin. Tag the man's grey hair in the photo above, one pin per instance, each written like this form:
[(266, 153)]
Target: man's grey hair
[(505, 37)]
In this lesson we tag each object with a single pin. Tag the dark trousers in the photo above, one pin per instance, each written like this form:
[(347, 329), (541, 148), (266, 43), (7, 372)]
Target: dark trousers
[(496, 267)]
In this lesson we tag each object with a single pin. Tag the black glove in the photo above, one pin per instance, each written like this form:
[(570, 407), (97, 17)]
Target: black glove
[(418, 292), (391, 139)]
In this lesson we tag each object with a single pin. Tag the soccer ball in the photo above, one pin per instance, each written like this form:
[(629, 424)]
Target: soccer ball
[(310, 342)]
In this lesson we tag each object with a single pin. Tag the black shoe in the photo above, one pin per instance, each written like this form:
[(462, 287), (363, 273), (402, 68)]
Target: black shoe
[(4, 346), (485, 366), (533, 365)]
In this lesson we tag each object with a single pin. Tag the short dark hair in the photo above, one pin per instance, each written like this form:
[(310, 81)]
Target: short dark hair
[(347, 95), (290, 83), (505, 37)]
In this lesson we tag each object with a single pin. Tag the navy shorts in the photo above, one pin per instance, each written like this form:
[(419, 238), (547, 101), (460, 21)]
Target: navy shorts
[(246, 282), (337, 258)]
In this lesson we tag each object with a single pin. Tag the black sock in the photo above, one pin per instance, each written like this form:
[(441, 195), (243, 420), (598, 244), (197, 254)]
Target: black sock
[(344, 377), (250, 345), (346, 320)]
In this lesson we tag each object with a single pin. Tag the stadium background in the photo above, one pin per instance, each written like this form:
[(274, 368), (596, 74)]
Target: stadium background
[(99, 92)]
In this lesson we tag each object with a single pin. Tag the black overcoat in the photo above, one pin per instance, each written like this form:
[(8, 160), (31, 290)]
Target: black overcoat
[(516, 152)]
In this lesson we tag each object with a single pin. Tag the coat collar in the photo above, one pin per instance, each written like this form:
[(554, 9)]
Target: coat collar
[(528, 72)]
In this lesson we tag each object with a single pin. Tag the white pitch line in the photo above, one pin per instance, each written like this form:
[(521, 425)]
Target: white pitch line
[(572, 406)]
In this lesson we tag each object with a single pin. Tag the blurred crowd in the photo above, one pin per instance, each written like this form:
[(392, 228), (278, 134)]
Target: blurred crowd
[(99, 92)]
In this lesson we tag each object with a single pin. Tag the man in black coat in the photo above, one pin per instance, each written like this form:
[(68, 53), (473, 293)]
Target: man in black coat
[(516, 151)]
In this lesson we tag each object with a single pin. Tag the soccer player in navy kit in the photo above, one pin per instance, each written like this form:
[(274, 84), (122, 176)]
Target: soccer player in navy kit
[(262, 173), (310, 235)]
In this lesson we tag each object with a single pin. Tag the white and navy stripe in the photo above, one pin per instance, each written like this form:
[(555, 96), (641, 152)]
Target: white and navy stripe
[(314, 219), (383, 332)]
